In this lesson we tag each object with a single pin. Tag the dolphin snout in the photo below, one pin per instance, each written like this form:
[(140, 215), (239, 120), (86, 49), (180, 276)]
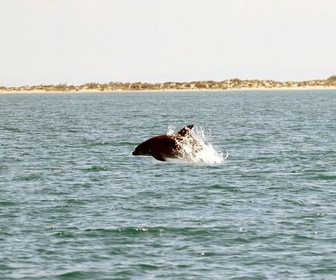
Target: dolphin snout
[(137, 152)]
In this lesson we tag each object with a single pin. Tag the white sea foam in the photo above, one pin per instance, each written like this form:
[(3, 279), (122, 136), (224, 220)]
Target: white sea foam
[(198, 148)]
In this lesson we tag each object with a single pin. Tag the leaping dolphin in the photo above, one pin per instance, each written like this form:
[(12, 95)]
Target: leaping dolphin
[(164, 146)]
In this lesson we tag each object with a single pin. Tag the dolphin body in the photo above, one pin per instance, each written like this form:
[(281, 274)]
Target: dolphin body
[(164, 146)]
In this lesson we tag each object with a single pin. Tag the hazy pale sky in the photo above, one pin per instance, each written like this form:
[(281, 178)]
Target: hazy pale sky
[(79, 41)]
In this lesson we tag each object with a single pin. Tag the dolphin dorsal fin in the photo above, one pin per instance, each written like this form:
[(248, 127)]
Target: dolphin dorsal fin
[(186, 130)]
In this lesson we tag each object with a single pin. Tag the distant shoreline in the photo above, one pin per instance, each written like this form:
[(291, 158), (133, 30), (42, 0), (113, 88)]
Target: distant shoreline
[(169, 90), (226, 85)]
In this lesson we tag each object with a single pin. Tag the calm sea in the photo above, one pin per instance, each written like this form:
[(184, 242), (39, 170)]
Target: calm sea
[(75, 204)]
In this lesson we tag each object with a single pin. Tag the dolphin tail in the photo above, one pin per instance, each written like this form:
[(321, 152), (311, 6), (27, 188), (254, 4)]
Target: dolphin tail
[(186, 130)]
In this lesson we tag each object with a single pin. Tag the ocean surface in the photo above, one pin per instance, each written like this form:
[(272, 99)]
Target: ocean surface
[(75, 203)]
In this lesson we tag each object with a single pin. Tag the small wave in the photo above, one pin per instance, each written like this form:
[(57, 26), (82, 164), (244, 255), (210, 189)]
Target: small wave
[(123, 231), (95, 168)]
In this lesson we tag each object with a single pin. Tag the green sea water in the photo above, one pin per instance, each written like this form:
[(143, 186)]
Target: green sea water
[(75, 204)]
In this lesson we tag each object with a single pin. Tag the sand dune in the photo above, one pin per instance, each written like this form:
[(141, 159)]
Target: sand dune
[(231, 84)]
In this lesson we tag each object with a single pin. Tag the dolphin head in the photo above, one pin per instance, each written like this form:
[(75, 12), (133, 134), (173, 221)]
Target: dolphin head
[(141, 150)]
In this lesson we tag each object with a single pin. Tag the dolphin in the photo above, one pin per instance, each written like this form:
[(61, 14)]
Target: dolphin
[(165, 146)]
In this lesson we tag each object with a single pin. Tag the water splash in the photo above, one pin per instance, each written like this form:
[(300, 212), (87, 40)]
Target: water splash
[(198, 149)]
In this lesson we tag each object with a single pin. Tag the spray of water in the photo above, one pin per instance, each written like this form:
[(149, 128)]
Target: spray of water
[(198, 149)]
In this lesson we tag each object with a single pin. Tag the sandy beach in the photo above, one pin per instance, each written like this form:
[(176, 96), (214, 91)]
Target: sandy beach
[(226, 85)]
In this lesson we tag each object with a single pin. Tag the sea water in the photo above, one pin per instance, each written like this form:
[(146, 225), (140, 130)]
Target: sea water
[(259, 204)]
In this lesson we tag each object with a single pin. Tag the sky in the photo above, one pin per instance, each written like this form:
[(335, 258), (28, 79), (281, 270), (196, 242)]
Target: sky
[(81, 41)]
